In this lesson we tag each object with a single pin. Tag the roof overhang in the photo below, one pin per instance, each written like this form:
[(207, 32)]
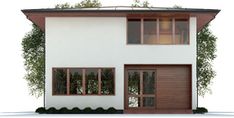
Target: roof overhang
[(204, 16)]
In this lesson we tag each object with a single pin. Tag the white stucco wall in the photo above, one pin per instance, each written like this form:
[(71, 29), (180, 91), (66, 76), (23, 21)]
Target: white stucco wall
[(101, 42)]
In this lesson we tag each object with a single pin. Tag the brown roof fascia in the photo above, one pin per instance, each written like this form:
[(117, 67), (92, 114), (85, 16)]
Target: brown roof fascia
[(37, 16)]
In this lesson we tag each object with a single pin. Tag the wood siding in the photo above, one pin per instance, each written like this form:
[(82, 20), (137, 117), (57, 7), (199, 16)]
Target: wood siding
[(173, 87)]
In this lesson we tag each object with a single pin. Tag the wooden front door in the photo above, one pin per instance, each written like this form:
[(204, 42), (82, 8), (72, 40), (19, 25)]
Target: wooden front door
[(140, 89)]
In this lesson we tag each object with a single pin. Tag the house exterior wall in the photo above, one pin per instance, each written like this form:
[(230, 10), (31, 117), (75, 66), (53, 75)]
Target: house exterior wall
[(101, 42)]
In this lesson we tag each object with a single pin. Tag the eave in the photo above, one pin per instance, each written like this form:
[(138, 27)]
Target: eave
[(204, 16)]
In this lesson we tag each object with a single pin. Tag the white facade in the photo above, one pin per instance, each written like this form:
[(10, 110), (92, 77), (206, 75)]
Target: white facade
[(101, 42)]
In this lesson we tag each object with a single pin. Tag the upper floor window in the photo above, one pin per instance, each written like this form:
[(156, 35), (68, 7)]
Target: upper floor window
[(134, 31), (181, 31), (150, 31), (158, 31)]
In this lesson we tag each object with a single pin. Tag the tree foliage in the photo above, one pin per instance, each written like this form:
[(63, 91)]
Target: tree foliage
[(63, 6), (206, 48), (137, 3), (33, 45), (33, 52), (88, 4), (82, 4)]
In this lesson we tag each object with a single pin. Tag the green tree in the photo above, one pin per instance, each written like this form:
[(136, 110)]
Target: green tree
[(88, 4), (82, 4), (63, 6), (206, 48), (137, 3), (34, 55), (33, 45)]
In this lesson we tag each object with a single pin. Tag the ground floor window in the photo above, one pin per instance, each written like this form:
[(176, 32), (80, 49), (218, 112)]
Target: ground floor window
[(83, 81)]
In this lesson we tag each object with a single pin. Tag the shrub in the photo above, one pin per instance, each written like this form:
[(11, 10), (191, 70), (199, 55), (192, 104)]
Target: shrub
[(40, 110), (75, 110), (52, 110), (112, 110), (87, 110), (64, 110), (100, 110), (200, 110)]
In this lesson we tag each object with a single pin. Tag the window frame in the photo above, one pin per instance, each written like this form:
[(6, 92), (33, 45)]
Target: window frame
[(141, 69), (157, 29), (83, 81)]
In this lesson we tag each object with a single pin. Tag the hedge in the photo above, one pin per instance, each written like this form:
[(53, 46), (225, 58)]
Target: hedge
[(200, 110), (76, 110)]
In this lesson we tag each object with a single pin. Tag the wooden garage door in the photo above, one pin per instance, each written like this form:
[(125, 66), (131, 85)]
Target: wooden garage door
[(173, 87)]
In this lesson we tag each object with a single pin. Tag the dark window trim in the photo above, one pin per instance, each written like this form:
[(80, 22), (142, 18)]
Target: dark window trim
[(157, 29), (83, 81)]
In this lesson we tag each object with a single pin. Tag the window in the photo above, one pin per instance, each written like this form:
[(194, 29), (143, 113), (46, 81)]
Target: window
[(107, 81), (83, 81), (76, 81), (181, 31), (141, 88), (163, 30), (150, 31), (134, 31), (59, 81), (91, 77)]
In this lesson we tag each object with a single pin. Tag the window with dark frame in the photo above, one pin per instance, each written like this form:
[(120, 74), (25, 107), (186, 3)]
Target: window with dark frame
[(76, 82), (91, 81), (107, 81), (181, 31), (134, 31), (141, 91), (163, 30), (59, 81), (83, 81), (150, 31)]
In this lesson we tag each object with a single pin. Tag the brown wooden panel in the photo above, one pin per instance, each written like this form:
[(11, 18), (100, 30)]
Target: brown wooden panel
[(173, 87)]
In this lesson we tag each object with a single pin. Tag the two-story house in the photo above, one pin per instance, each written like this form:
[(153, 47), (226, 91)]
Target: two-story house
[(139, 60)]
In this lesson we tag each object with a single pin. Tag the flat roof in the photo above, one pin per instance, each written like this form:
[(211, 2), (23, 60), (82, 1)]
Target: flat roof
[(37, 16)]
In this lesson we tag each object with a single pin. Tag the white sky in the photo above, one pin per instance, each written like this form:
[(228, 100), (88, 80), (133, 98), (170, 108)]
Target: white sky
[(14, 94)]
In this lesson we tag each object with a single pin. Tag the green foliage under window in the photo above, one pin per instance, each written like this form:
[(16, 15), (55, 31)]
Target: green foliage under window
[(200, 110)]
